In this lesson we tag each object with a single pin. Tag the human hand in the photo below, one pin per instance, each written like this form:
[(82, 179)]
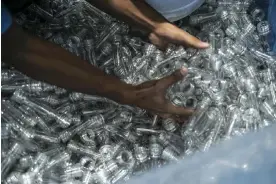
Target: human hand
[(143, 16), (151, 95), (165, 33)]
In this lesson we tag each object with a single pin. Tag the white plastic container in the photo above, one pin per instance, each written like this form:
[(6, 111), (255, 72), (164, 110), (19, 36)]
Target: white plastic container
[(174, 10)]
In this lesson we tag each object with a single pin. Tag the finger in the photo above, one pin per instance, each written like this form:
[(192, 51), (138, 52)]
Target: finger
[(165, 116), (181, 111), (159, 43), (147, 84), (178, 119), (173, 78), (184, 38), (160, 114), (162, 46), (181, 119)]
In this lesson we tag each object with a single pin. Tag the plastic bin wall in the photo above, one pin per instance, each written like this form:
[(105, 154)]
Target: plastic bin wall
[(250, 159)]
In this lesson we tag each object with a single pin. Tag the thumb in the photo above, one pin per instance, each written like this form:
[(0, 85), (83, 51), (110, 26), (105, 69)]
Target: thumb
[(173, 78), (159, 43)]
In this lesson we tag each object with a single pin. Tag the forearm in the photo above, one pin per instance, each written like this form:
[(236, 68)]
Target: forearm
[(47, 62), (139, 14), (136, 12)]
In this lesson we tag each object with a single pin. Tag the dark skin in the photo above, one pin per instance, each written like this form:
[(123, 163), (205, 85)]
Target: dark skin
[(139, 13), (48, 62)]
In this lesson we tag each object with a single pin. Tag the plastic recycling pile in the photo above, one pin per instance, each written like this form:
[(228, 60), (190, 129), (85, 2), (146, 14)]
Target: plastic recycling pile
[(51, 135)]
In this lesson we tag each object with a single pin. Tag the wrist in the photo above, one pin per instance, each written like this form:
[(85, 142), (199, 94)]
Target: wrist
[(128, 95)]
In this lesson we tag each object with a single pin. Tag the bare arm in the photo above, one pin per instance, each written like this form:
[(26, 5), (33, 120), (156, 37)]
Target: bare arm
[(47, 62), (139, 13)]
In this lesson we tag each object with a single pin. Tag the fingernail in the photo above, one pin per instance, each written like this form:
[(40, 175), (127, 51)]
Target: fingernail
[(184, 71), (204, 44)]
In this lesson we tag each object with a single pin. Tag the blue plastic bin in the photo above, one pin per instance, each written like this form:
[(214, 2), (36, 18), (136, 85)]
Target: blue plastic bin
[(175, 9)]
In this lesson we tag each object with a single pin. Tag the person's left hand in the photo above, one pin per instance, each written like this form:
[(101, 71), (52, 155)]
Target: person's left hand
[(165, 33)]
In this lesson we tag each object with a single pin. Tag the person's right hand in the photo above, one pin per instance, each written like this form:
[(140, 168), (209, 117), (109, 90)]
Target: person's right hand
[(151, 95)]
